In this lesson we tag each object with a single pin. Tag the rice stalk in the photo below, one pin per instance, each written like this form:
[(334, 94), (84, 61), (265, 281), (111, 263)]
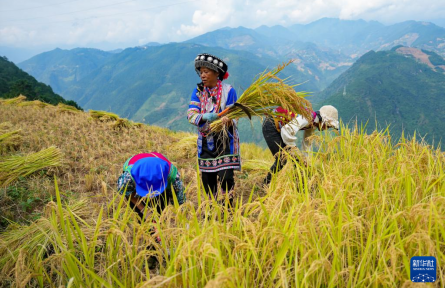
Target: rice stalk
[(13, 167), (266, 93)]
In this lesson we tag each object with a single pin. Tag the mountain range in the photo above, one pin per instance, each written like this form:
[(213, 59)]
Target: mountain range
[(403, 88), (152, 83)]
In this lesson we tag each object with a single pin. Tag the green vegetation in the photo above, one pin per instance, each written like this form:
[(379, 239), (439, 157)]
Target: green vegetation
[(434, 58), (15, 82)]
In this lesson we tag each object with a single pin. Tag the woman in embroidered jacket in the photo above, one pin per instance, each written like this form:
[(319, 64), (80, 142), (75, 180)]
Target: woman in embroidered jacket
[(218, 156)]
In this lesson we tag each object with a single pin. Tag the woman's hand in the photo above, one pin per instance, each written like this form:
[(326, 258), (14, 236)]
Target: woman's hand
[(210, 117), (225, 120)]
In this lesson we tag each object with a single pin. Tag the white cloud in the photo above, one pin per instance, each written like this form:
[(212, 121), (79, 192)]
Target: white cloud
[(214, 14), (110, 24)]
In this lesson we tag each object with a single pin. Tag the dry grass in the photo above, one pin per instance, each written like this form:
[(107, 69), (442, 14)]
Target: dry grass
[(92, 148), (352, 219)]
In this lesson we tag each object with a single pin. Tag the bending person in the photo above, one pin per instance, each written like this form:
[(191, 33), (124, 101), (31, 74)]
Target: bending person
[(280, 131), (147, 179)]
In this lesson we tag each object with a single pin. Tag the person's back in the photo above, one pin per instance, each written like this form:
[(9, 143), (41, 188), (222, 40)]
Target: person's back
[(281, 130), (148, 179)]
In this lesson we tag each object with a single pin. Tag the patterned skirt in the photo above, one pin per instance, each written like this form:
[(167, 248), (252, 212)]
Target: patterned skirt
[(218, 152)]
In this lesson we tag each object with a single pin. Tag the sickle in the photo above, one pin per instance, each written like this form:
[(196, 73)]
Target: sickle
[(241, 106), (244, 108)]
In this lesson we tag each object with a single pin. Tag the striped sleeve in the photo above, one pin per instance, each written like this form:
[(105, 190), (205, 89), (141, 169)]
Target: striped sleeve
[(194, 112)]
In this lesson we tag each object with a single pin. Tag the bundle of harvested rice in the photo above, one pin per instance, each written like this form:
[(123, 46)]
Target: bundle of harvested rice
[(35, 103), (256, 165), (138, 125), (266, 92), (10, 140), (13, 167), (186, 147), (103, 115), (5, 127), (121, 123), (67, 108), (13, 101)]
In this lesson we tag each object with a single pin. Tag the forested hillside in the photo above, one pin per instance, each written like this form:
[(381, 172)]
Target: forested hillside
[(15, 82)]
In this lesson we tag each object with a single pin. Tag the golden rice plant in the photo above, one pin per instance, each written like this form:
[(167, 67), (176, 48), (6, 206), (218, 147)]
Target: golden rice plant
[(352, 218), (13, 101), (13, 167), (40, 239), (67, 108), (103, 116), (265, 93)]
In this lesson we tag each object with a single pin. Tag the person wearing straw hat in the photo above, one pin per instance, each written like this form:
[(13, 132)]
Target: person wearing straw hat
[(147, 179), (218, 153), (280, 131)]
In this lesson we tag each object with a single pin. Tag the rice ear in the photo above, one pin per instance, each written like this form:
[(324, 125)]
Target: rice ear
[(265, 93)]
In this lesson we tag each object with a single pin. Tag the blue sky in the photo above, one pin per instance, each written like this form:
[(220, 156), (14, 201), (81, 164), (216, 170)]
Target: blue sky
[(110, 24)]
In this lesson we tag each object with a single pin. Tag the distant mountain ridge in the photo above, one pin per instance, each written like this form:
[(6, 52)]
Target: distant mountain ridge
[(400, 87), (355, 37), (322, 64), (154, 84), (61, 68), (151, 83)]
